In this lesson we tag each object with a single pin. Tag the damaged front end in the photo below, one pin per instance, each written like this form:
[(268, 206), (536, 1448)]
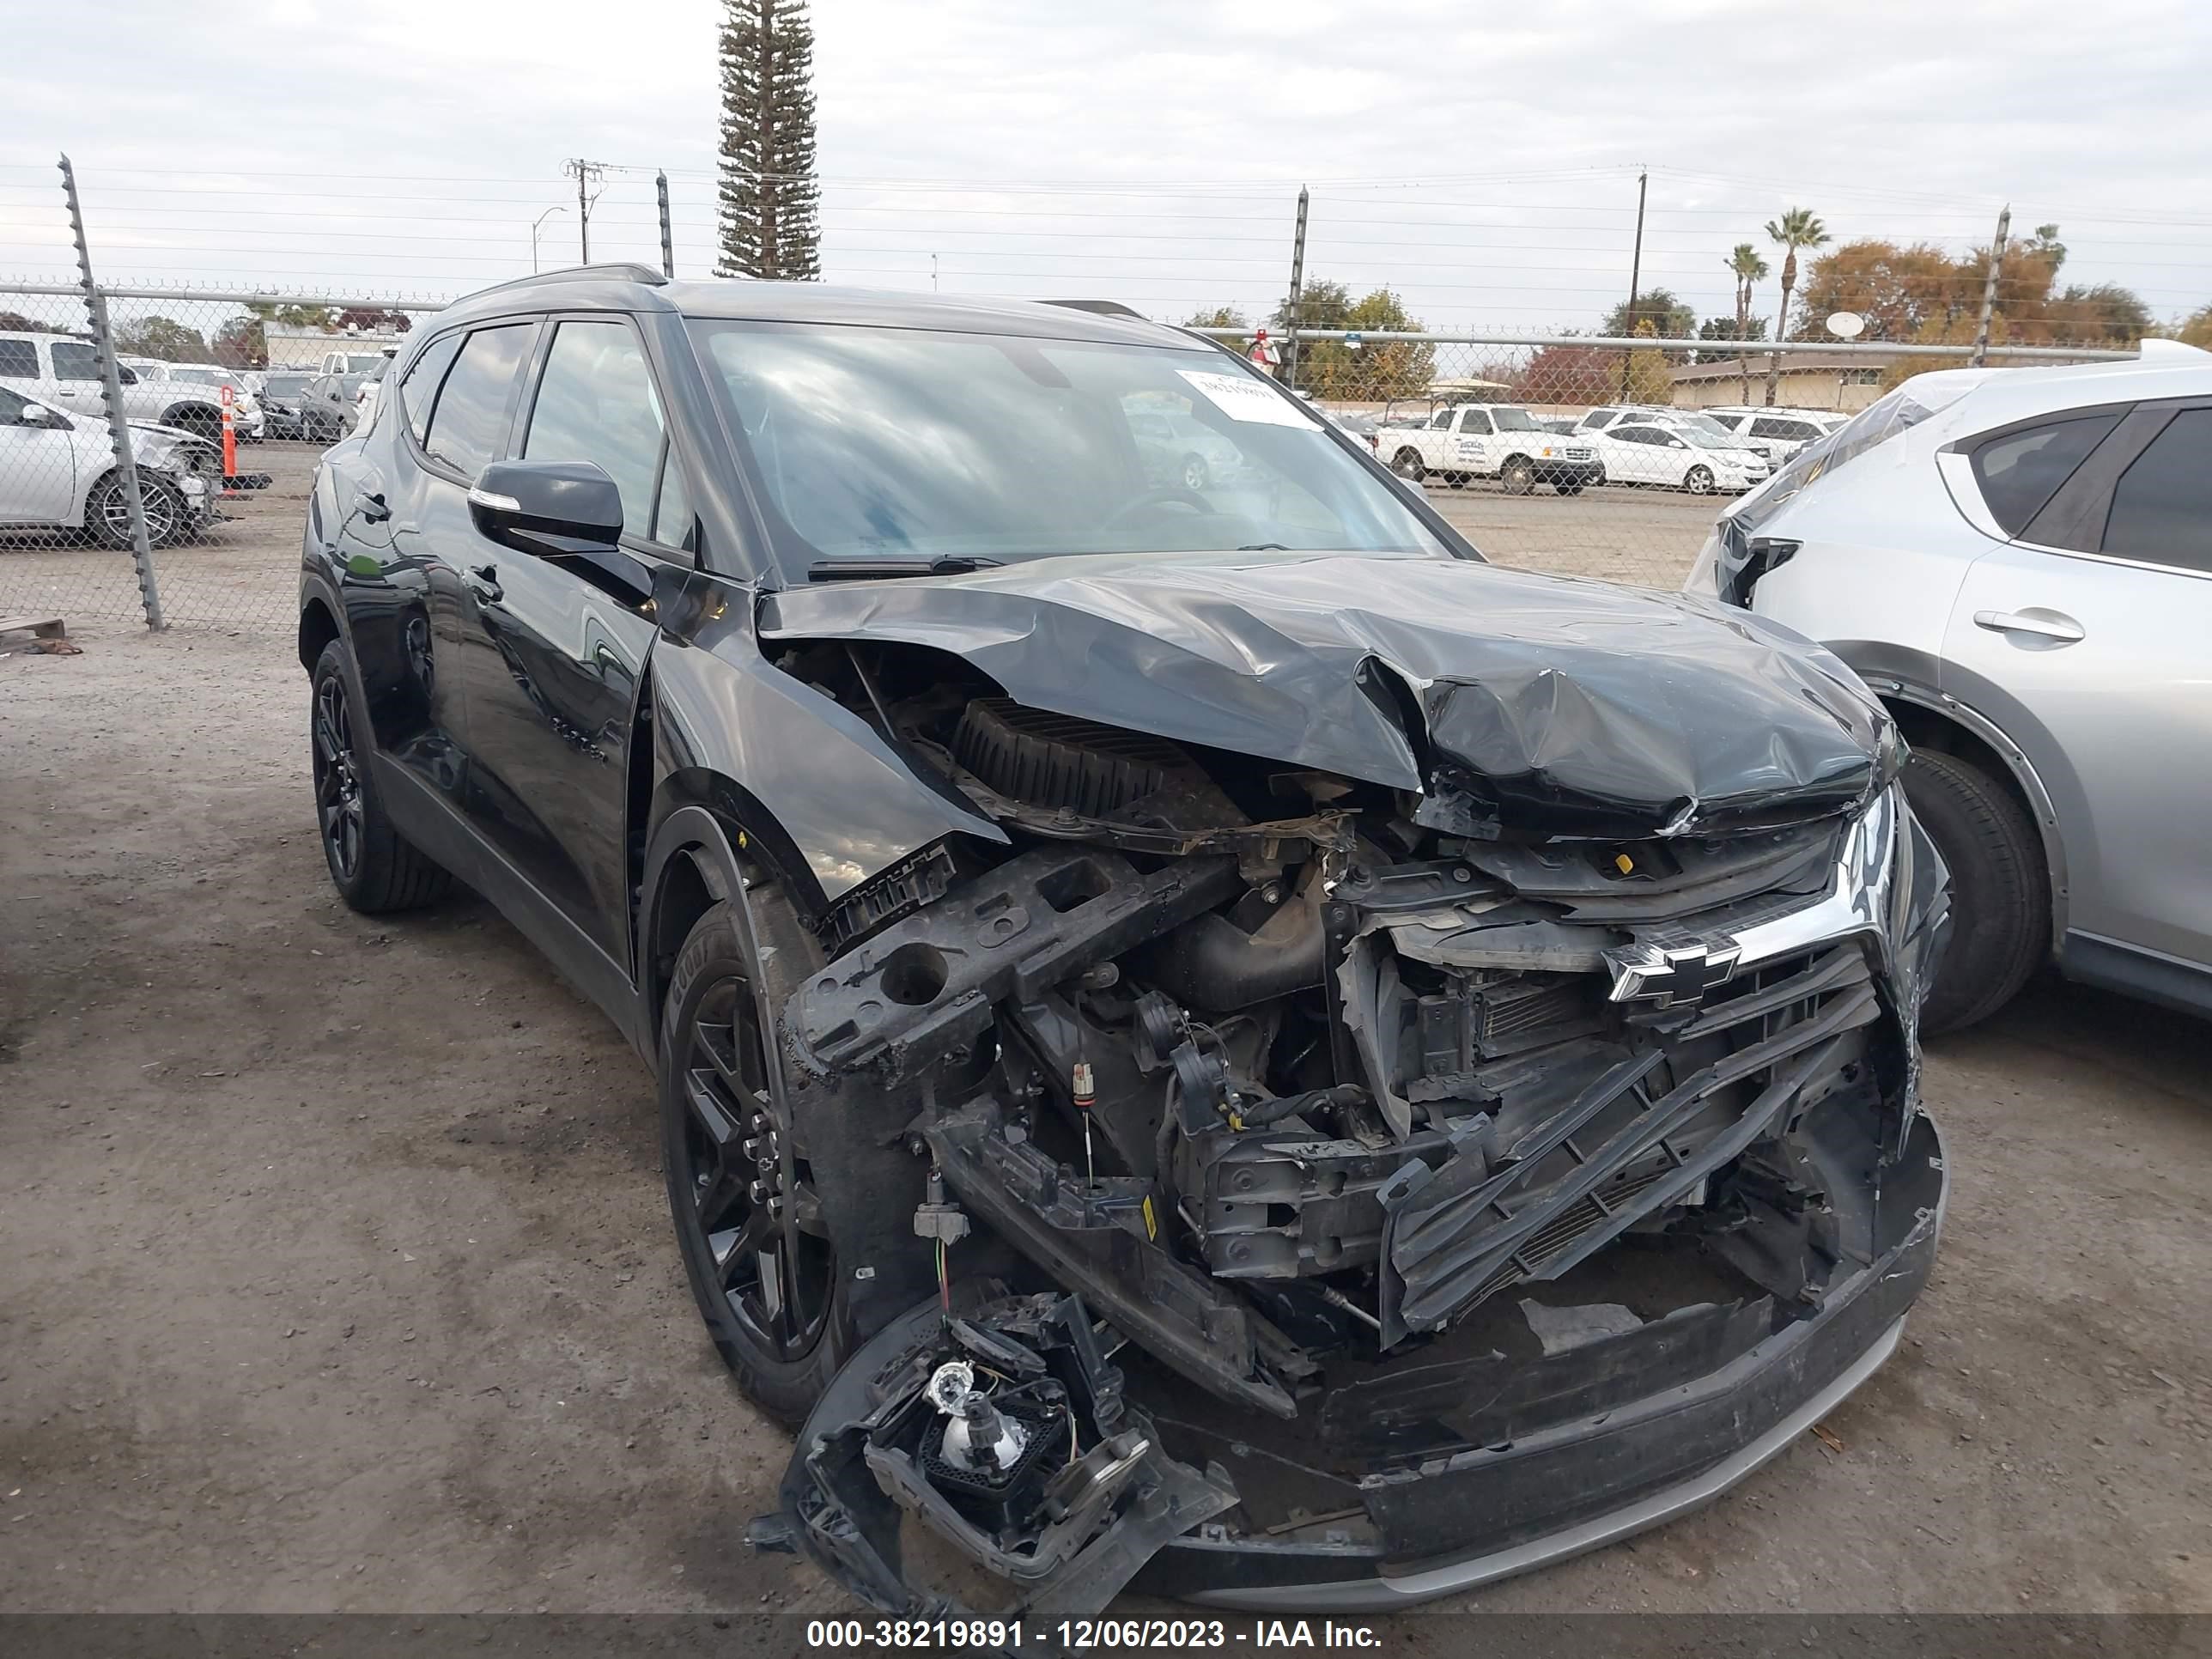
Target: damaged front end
[(1379, 1192)]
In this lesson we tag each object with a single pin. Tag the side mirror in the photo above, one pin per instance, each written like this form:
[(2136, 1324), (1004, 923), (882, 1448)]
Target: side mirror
[(1676, 443), (125, 376), (547, 508), (40, 414)]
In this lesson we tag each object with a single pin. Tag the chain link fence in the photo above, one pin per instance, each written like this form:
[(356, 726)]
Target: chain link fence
[(1589, 455)]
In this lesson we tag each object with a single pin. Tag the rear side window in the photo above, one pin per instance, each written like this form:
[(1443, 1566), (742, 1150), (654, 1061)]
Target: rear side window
[(595, 403), (471, 415), (18, 360), (2162, 505), (419, 390), (2020, 471)]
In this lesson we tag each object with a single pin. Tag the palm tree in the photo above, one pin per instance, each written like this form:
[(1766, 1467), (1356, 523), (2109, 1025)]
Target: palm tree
[(1796, 228), (1749, 267)]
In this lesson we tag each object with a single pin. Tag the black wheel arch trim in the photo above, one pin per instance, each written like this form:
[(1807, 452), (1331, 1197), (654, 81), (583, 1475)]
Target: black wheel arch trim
[(1985, 710)]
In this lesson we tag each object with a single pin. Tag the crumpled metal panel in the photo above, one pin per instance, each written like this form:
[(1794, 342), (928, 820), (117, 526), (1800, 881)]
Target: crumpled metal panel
[(1569, 706)]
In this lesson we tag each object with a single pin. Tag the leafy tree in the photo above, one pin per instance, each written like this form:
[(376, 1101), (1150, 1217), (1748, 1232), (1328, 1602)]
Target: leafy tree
[(1897, 289), (240, 344), (1219, 317), (375, 322), (1649, 379), (770, 199), (1568, 374), (1748, 267), (292, 316), (2196, 328), (1668, 316), (164, 337), (1797, 227), (2103, 313), (1380, 369)]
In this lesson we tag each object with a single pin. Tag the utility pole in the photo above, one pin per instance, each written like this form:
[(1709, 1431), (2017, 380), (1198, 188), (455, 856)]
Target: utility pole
[(1635, 278), (584, 173), (1990, 288), (667, 230), (1298, 283)]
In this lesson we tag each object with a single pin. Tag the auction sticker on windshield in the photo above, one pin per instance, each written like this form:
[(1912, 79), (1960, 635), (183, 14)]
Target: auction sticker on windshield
[(1241, 399)]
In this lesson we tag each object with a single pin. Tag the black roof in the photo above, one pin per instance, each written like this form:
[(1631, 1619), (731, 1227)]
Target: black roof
[(639, 287)]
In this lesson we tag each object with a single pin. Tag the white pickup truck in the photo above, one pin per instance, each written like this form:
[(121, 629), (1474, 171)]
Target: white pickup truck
[(63, 370), (1485, 441)]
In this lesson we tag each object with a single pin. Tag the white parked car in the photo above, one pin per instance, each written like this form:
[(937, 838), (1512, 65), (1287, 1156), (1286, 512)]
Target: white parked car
[(2019, 561), (247, 418), (1777, 433), (57, 471), (1484, 441), (63, 370), (1675, 457)]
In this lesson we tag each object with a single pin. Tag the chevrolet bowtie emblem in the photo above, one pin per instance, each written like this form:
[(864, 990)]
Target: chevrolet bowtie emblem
[(1671, 974)]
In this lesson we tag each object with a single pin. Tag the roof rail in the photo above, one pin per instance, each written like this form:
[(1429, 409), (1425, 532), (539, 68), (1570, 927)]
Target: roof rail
[(620, 271), (1102, 308)]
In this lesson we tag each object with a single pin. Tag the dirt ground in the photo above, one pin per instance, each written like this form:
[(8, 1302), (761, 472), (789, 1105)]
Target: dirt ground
[(338, 1276)]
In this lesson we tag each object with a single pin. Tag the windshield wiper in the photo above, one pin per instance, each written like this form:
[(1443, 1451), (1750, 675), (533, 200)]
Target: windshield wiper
[(866, 570), (1265, 547)]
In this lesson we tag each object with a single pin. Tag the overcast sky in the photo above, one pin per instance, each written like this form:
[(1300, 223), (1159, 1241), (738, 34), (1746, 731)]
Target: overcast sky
[(1480, 158)]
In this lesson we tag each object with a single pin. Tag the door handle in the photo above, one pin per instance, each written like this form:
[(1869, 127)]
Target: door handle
[(484, 580), (372, 508), (2051, 625)]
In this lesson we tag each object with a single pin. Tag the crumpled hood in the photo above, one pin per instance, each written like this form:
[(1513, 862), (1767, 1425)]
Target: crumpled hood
[(1545, 703)]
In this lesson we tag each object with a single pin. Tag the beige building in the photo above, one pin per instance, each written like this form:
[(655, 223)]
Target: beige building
[(1810, 380), (291, 346)]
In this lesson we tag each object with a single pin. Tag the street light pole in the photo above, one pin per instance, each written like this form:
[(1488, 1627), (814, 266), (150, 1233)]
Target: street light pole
[(535, 224)]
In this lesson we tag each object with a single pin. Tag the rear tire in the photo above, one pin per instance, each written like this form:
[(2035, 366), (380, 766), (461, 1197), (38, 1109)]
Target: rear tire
[(778, 1314), (374, 868), (1406, 463), (2000, 888)]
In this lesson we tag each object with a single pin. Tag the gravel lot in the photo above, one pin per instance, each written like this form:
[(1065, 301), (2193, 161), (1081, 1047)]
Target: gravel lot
[(339, 1276)]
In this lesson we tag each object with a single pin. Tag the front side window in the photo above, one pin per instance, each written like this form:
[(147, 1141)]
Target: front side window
[(2020, 472), (419, 390), (1516, 420), (1474, 423), (595, 404), (74, 361), (470, 418), (2162, 505), (873, 443), (18, 360)]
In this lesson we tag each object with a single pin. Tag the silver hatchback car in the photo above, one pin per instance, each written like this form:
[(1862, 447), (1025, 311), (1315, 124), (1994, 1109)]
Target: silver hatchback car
[(2019, 561)]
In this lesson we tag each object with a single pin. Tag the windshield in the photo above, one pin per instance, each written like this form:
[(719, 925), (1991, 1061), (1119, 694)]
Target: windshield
[(1884, 418), (1516, 420), (874, 443)]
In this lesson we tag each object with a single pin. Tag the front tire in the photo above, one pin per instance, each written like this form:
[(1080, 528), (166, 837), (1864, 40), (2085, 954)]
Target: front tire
[(1195, 473), (374, 868), (748, 1212), (1519, 478), (2000, 888), (1699, 481), (107, 511)]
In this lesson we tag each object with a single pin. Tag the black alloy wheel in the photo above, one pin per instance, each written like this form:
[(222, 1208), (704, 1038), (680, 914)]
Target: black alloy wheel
[(753, 1230), (339, 808)]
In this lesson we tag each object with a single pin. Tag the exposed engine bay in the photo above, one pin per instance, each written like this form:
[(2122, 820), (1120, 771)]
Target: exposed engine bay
[(1307, 1163)]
